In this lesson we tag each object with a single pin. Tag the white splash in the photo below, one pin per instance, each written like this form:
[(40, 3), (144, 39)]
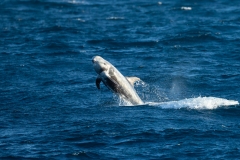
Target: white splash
[(196, 103), (123, 102)]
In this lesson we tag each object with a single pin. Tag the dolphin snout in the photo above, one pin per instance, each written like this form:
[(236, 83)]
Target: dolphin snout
[(95, 59), (99, 64)]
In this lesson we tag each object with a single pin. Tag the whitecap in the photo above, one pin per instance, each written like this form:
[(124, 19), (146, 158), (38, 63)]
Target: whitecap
[(186, 8), (115, 18), (81, 20), (77, 2)]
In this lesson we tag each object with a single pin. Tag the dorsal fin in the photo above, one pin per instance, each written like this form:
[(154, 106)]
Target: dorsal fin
[(132, 80), (98, 81)]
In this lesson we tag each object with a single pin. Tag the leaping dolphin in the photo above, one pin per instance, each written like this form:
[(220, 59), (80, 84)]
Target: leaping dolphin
[(115, 81)]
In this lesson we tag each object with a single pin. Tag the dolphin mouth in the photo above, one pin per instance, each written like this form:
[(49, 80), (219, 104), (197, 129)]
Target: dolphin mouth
[(93, 59)]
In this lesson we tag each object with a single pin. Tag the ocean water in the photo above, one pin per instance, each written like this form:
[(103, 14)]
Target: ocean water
[(187, 54)]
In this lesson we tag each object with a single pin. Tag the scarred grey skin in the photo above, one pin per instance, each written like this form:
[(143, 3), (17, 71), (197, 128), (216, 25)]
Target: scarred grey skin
[(115, 81)]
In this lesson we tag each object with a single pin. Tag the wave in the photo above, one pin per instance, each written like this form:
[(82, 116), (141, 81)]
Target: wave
[(195, 103)]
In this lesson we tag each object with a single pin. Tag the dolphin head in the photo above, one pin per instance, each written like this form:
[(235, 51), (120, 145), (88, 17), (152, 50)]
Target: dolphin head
[(100, 64)]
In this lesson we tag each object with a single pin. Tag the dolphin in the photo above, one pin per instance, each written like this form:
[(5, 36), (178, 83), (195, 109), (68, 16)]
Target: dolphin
[(115, 81)]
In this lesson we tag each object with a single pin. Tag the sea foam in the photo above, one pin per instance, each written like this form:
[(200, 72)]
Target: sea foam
[(196, 103)]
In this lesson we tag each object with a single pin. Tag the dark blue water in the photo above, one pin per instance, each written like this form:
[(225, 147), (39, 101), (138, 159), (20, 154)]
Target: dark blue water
[(187, 54)]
